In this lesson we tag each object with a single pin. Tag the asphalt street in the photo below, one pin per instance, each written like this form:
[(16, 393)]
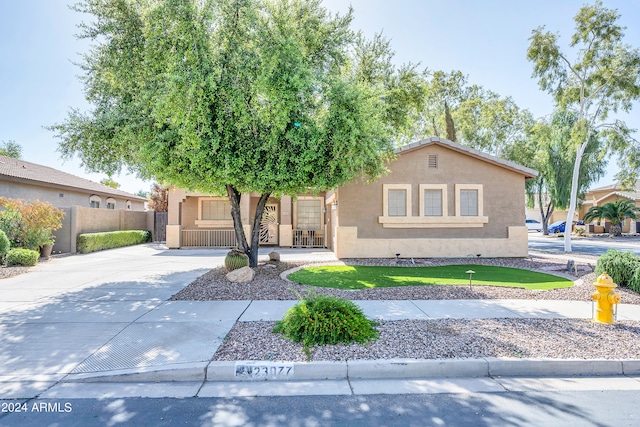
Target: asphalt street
[(552, 408), (591, 246)]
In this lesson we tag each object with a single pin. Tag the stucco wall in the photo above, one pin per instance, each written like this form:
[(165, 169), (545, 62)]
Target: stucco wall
[(61, 197), (80, 220), (360, 205), (349, 245), (189, 212)]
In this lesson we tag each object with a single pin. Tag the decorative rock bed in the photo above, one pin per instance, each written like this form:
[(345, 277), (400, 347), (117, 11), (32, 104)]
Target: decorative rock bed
[(429, 339)]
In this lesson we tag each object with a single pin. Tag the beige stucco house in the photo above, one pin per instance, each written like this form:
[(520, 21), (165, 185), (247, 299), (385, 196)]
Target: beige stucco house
[(204, 220), (440, 199), (609, 194), (598, 197), (20, 179), (89, 206)]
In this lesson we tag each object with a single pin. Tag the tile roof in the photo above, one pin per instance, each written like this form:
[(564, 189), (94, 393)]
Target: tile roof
[(615, 187), (527, 172), (21, 169), (632, 195)]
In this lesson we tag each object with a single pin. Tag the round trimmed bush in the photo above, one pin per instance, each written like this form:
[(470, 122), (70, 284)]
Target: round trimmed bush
[(4, 244), (20, 256), (324, 319)]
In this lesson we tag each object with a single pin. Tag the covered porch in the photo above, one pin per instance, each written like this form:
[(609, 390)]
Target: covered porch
[(199, 220)]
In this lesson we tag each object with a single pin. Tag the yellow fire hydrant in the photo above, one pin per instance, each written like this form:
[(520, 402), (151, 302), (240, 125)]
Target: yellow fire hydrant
[(606, 298)]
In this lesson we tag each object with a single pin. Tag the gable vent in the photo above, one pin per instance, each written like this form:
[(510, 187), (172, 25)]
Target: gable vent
[(433, 161)]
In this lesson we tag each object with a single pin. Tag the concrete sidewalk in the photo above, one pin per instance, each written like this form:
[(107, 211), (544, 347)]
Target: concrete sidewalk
[(75, 325)]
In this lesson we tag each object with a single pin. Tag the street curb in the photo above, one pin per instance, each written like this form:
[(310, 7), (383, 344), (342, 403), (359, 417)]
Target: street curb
[(251, 371), (195, 371)]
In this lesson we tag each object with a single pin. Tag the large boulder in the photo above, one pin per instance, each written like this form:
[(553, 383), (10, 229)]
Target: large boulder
[(241, 275)]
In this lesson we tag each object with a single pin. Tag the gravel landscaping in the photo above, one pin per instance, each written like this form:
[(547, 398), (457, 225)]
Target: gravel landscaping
[(448, 338), (6, 272), (268, 285), (429, 339)]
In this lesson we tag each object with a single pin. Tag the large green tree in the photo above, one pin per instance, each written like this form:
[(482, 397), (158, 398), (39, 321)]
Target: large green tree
[(234, 96), (549, 149), (11, 149), (468, 114), (440, 94), (491, 123), (602, 80)]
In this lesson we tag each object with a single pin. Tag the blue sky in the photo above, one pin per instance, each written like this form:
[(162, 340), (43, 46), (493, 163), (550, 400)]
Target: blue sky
[(487, 40)]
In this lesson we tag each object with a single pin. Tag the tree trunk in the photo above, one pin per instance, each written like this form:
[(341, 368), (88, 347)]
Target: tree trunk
[(615, 230), (574, 193), (255, 231), (234, 198), (251, 251), (545, 215), (435, 128), (451, 128)]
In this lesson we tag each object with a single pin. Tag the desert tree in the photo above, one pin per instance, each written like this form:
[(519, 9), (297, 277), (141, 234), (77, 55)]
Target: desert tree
[(231, 97), (601, 81)]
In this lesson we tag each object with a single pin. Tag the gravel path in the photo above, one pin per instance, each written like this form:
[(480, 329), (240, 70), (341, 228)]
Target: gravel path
[(429, 339)]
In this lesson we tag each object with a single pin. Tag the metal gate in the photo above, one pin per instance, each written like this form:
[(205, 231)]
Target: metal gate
[(160, 220), (269, 225)]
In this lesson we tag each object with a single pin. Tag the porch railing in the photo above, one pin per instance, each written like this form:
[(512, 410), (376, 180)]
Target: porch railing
[(209, 238), (308, 238)]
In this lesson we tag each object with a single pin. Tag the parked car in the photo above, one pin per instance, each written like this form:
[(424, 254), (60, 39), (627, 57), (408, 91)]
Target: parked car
[(532, 224), (557, 227)]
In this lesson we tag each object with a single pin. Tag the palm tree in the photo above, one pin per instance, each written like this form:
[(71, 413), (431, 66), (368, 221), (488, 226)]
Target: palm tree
[(615, 213)]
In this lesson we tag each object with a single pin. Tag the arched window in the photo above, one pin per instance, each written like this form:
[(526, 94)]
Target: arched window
[(94, 201), (129, 205), (111, 203)]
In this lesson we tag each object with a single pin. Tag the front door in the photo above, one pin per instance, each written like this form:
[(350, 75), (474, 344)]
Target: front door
[(269, 225)]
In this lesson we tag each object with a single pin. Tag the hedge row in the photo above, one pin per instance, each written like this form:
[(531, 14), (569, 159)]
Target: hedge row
[(623, 267), (92, 242)]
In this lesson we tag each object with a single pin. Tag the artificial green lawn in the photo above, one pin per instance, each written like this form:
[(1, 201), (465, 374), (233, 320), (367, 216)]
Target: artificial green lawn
[(367, 277)]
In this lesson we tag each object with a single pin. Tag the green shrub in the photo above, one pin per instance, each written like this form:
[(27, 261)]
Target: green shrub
[(11, 225), (621, 266), (31, 223), (4, 245), (20, 256), (235, 259), (634, 282), (322, 319), (91, 242)]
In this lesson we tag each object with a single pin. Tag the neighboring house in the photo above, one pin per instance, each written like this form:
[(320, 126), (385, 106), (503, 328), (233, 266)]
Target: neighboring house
[(29, 181), (89, 206), (439, 199), (610, 193)]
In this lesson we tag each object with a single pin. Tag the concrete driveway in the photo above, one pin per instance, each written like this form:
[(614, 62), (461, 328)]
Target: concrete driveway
[(57, 315), (108, 311)]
